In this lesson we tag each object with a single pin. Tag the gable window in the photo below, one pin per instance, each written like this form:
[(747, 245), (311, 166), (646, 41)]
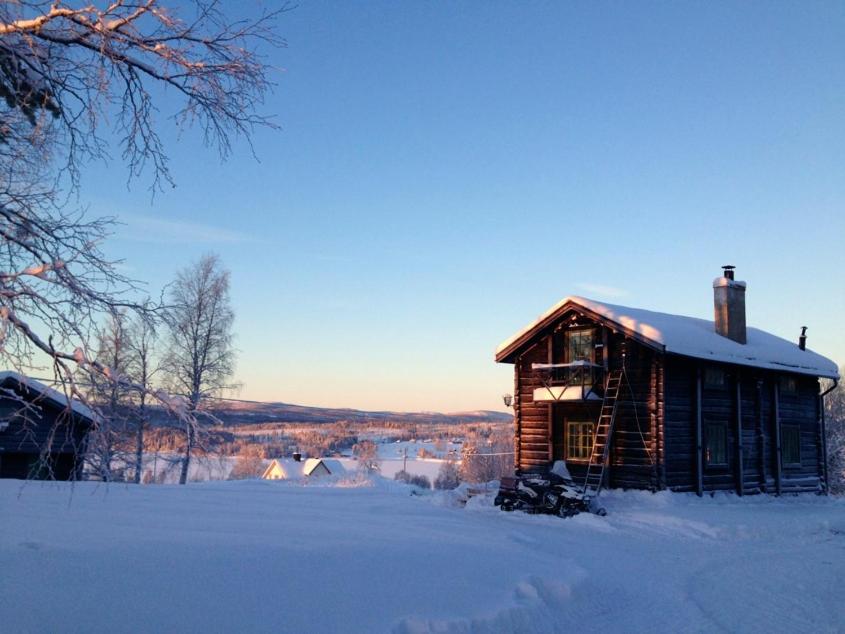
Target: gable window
[(580, 345), (716, 445), (714, 378), (790, 443), (579, 439)]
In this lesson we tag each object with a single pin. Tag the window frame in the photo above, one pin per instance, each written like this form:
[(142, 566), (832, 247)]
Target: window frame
[(723, 430), (580, 330), (590, 435), (787, 385), (796, 429), (709, 373)]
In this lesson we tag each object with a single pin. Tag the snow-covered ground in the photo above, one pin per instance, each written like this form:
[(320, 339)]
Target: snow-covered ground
[(397, 448), (258, 556), (204, 468)]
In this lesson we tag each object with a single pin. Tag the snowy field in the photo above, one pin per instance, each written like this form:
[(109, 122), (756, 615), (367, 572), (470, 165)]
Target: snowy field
[(204, 468), (256, 556)]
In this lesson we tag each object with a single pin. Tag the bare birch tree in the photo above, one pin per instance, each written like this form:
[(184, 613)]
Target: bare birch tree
[(66, 68), (110, 394), (142, 362), (63, 65), (200, 359)]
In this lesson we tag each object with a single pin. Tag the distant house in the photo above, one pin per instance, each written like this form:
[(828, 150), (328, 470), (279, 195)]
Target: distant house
[(296, 468), (641, 399), (42, 433)]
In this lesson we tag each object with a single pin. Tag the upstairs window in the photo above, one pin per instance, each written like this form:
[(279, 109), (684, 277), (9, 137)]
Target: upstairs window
[(716, 445), (579, 439), (714, 378), (580, 345), (790, 444), (788, 385)]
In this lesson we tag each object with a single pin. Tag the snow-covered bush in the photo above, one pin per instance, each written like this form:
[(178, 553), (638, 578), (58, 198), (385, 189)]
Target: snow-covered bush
[(486, 462), (415, 480), (248, 465), (366, 452), (447, 477)]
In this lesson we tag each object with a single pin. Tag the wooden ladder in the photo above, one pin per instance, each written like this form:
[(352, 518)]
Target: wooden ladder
[(601, 438)]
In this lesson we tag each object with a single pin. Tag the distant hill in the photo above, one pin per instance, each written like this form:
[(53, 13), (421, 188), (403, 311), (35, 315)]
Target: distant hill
[(246, 412)]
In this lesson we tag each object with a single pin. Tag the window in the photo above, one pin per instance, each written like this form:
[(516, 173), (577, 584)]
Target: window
[(716, 444), (788, 385), (790, 444), (714, 378), (579, 440), (580, 346)]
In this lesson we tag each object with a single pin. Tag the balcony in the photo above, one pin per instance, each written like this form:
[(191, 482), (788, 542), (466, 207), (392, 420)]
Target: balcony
[(576, 381)]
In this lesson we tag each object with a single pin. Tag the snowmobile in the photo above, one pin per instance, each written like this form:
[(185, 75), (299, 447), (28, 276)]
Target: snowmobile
[(555, 493)]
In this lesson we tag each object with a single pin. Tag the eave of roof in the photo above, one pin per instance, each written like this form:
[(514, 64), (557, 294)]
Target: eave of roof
[(57, 398), (678, 334)]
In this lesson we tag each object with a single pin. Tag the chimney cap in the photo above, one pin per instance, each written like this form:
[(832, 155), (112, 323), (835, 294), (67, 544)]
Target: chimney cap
[(729, 271)]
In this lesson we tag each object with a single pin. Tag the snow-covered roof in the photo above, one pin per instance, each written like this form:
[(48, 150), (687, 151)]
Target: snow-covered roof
[(334, 466), (687, 336), (310, 465), (49, 393), (291, 468)]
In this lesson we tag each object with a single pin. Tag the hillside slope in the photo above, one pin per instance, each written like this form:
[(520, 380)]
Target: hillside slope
[(246, 412)]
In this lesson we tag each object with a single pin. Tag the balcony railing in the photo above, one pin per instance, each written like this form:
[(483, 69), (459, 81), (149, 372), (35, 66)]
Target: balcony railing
[(576, 381)]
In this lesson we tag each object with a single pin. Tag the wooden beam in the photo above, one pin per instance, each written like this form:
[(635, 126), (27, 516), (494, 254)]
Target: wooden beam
[(517, 411), (740, 467), (823, 474), (699, 449), (550, 353), (761, 436), (604, 351), (655, 419), (776, 417)]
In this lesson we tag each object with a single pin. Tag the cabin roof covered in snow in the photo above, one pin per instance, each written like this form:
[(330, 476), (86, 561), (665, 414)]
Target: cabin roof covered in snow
[(289, 467), (300, 468), (311, 465), (334, 466), (686, 336), (57, 397)]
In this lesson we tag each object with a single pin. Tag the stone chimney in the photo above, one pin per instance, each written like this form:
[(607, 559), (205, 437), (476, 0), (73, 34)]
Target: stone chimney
[(729, 306)]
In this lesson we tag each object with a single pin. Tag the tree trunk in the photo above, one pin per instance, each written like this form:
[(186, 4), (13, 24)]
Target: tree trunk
[(139, 451), (183, 477)]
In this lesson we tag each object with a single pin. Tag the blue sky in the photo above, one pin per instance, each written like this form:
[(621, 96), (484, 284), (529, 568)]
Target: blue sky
[(447, 171)]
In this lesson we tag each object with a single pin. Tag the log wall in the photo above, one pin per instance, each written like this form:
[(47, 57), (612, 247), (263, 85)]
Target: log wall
[(746, 405), (43, 427), (635, 448)]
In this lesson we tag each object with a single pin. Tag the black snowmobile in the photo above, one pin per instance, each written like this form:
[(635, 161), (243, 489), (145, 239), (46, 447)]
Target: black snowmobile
[(554, 493)]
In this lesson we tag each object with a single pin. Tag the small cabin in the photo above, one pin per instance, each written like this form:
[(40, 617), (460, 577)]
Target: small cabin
[(700, 405), (296, 468), (43, 433)]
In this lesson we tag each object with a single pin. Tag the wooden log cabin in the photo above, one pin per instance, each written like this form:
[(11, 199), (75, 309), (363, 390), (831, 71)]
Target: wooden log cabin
[(42, 433), (703, 405)]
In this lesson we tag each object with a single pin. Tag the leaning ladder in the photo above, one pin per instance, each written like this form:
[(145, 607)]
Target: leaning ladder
[(601, 439)]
